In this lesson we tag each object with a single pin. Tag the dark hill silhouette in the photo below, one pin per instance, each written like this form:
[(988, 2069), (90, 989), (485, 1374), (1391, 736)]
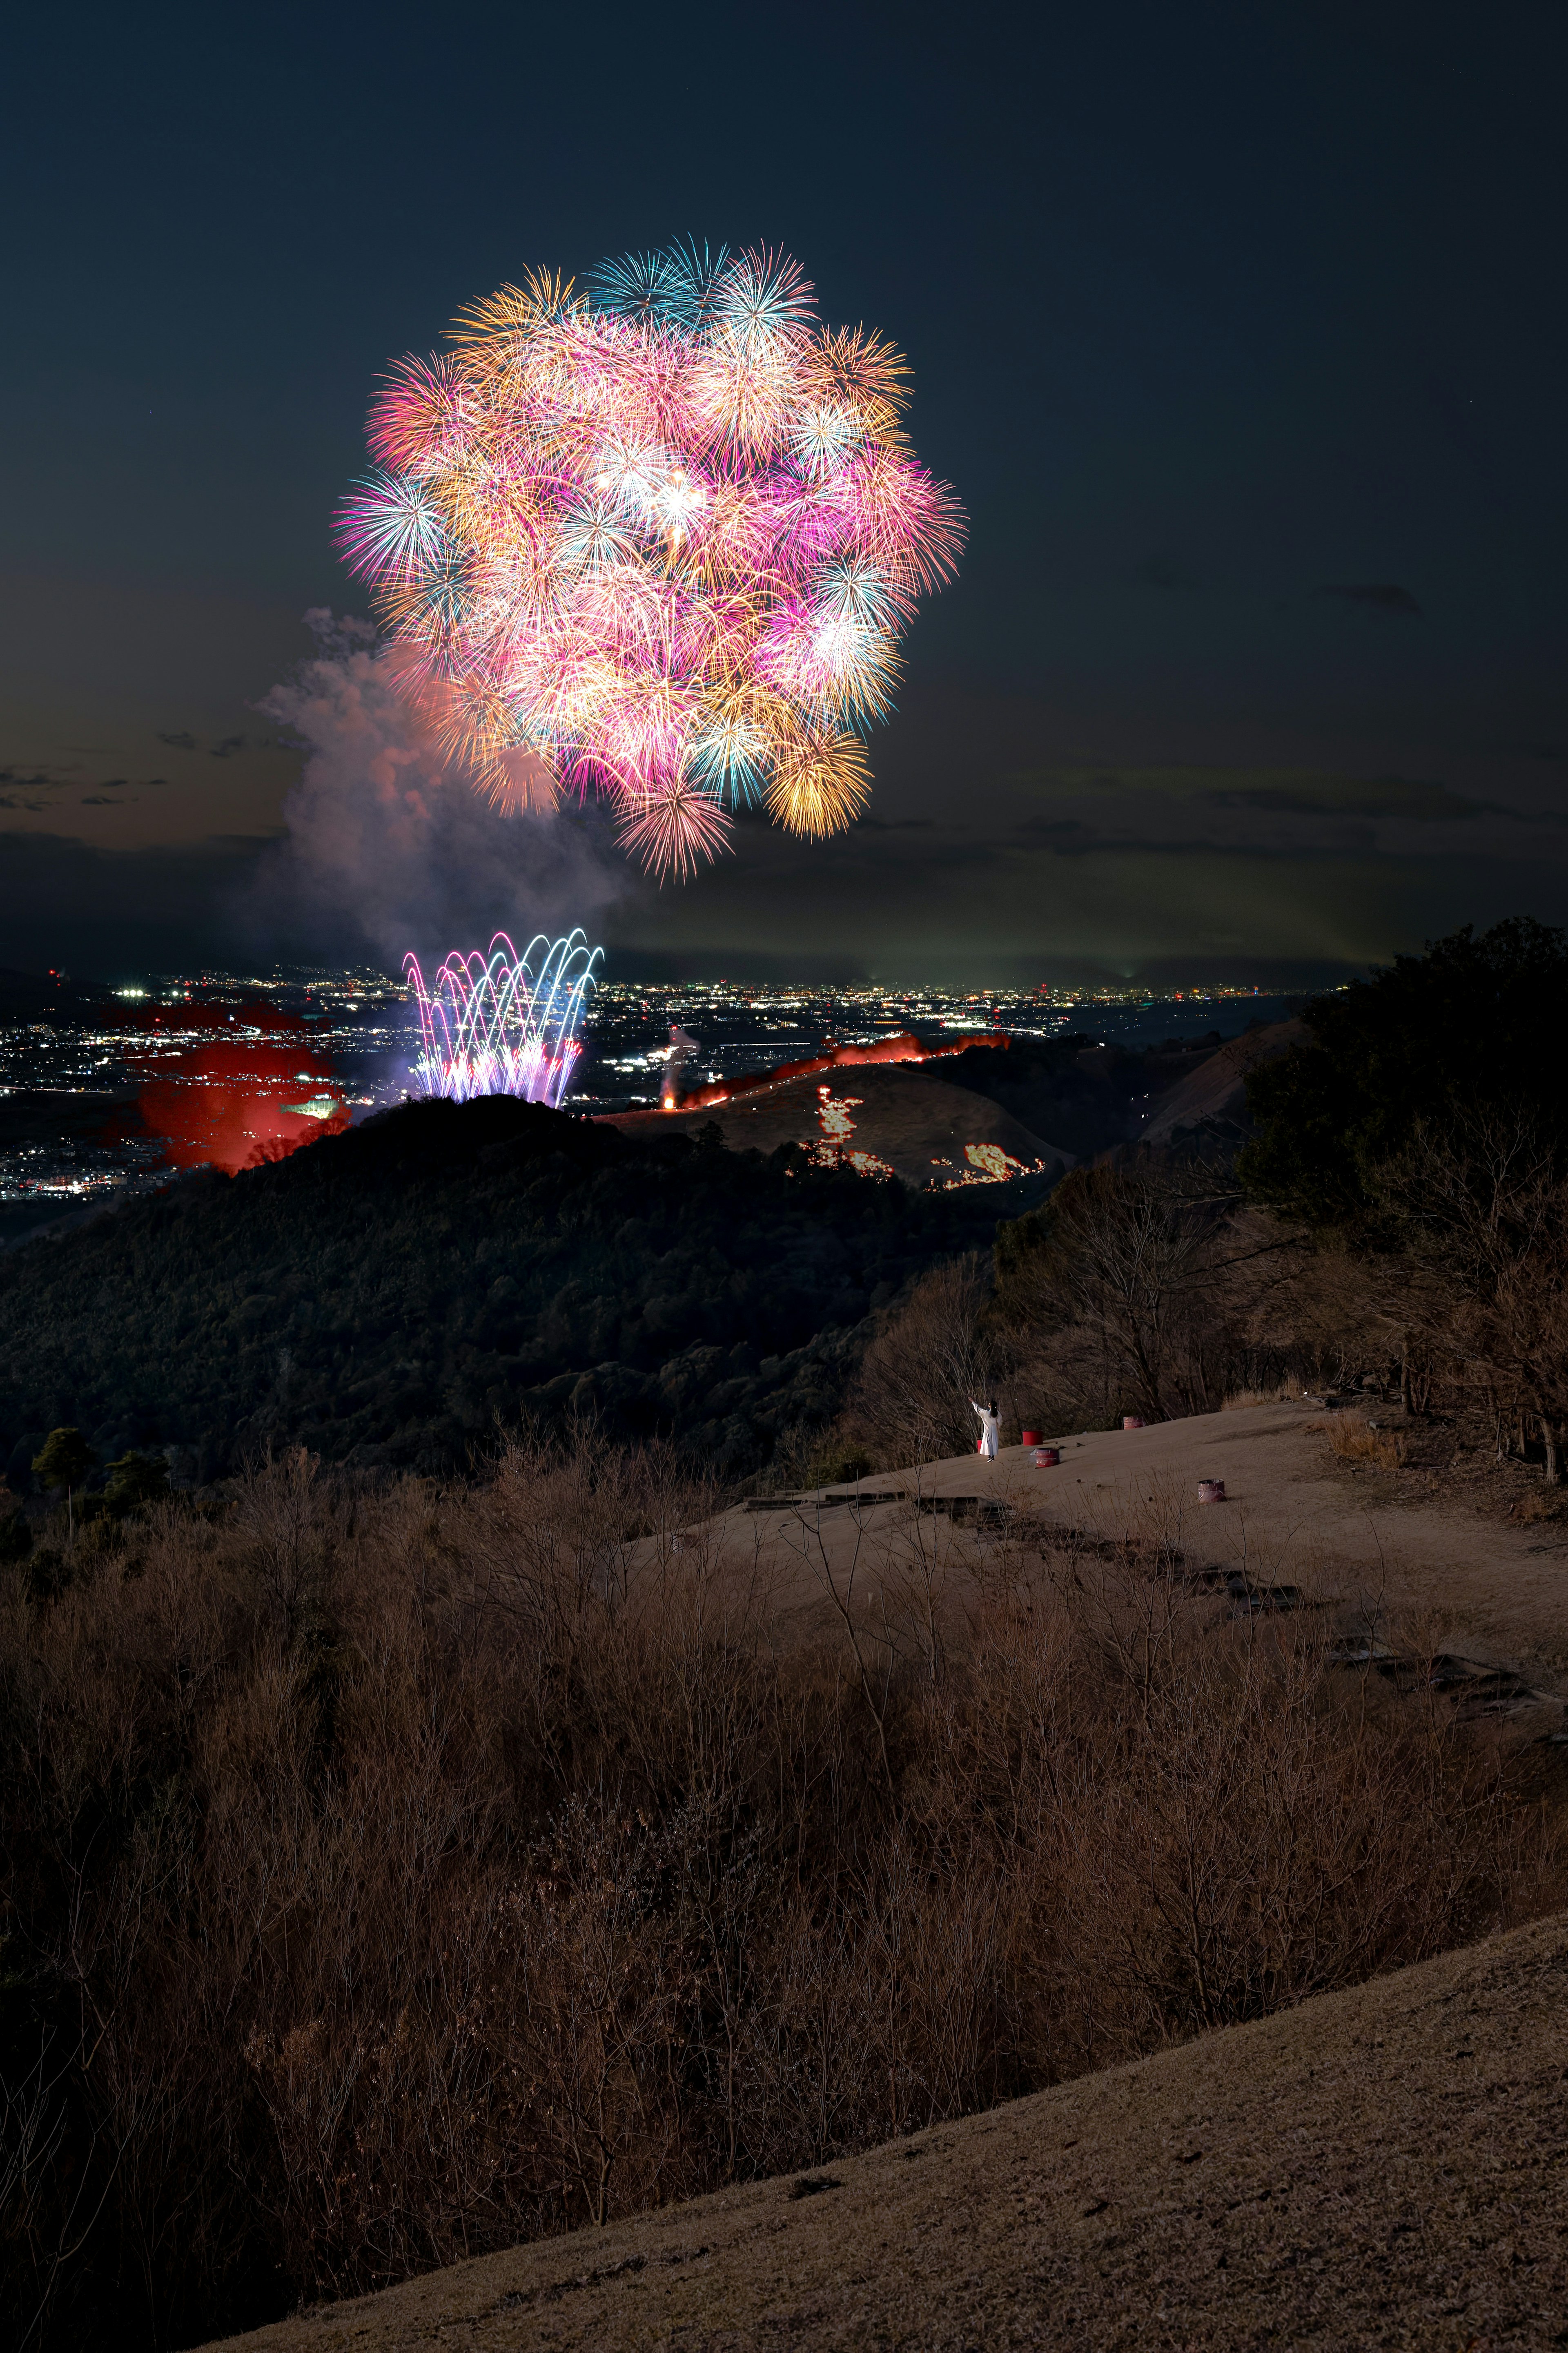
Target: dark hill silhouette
[(386, 1295)]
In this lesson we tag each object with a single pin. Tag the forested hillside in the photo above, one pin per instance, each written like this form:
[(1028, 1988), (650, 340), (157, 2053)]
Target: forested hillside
[(391, 1294)]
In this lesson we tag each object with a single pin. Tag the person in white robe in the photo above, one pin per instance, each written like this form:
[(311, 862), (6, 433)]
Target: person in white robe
[(990, 1427)]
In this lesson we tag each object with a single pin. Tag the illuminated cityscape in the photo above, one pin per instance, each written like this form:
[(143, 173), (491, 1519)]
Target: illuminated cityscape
[(92, 1081)]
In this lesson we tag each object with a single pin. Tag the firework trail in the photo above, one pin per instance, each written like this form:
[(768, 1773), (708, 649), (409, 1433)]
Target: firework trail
[(497, 1025), (656, 539)]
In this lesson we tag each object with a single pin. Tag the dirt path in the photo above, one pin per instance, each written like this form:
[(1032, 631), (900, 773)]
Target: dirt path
[(1386, 2167), (1410, 1549)]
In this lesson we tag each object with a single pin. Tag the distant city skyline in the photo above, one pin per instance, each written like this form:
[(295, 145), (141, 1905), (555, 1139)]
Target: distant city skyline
[(69, 1080)]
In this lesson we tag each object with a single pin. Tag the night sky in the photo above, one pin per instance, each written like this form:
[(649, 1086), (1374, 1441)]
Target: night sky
[(1240, 331)]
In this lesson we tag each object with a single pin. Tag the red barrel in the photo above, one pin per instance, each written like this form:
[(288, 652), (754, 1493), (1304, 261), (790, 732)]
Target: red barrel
[(1211, 1491), (1047, 1458), (1031, 1438), (1132, 1421)]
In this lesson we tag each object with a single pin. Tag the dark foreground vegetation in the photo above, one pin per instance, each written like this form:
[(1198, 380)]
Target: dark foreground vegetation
[(391, 1872), (388, 1296), (421, 1836)]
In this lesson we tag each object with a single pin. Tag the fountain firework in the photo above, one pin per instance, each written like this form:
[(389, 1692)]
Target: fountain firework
[(659, 540), (503, 1024)]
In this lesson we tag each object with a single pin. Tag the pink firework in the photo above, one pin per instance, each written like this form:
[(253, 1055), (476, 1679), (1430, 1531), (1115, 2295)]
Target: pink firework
[(659, 540)]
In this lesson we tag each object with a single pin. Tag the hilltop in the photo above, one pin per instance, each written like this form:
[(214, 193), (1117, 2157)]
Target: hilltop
[(1420, 1552), (443, 1865), (1046, 1104), (917, 1122), (385, 1296)]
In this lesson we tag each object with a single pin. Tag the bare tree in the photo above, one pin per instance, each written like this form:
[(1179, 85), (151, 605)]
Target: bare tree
[(1134, 1287), (912, 1401)]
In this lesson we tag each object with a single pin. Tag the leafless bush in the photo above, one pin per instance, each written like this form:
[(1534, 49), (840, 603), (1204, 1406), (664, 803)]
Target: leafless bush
[(912, 1399), (1145, 1288), (391, 1875)]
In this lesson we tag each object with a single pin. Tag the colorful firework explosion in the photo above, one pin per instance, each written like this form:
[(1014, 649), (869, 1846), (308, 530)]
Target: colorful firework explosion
[(656, 539), (501, 1025)]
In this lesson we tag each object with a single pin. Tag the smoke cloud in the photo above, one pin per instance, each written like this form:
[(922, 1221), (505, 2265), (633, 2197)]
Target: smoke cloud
[(388, 848)]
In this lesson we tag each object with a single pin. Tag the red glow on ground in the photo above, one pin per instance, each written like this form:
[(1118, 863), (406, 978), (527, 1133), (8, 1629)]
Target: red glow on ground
[(233, 1101), (902, 1046), (237, 1106)]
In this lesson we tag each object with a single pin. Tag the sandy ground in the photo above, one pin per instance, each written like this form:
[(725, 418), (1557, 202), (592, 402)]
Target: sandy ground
[(1386, 2167), (1418, 1552)]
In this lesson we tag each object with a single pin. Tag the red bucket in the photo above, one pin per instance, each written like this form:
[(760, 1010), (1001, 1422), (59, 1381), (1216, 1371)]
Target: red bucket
[(1031, 1438), (1132, 1421), (1047, 1458), (1211, 1491)]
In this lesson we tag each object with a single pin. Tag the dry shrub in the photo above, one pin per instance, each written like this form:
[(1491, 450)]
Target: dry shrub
[(392, 1876), (1286, 1392), (1353, 1439)]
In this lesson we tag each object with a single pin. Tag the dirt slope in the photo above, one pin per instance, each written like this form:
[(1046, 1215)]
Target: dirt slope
[(905, 1117), (1387, 2167), (1213, 1101), (1413, 1545)]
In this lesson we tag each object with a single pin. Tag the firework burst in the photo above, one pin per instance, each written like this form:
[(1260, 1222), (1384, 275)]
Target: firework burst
[(658, 540), (503, 1024)]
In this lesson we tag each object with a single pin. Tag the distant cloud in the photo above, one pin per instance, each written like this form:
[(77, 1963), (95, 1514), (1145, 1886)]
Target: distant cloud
[(1244, 814), (22, 785), (1383, 596), (1285, 792), (180, 739)]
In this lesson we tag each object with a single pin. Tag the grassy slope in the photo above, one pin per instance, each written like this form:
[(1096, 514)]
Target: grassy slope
[(1385, 2167)]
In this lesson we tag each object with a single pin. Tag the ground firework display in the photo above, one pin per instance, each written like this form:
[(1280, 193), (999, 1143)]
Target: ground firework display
[(656, 539), (504, 1024)]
